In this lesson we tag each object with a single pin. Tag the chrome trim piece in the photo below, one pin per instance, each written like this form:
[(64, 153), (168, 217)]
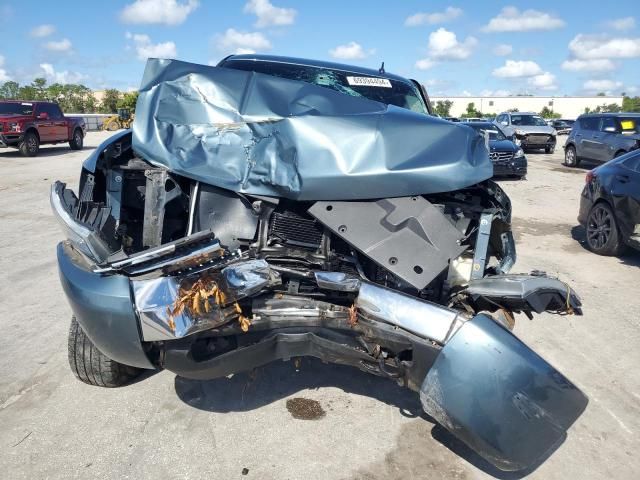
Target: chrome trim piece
[(422, 318)]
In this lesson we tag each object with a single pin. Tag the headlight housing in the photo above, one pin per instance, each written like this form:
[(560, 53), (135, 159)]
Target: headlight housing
[(519, 132), (519, 153), (14, 127)]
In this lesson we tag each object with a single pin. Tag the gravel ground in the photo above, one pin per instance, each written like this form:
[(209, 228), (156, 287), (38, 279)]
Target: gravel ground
[(53, 426)]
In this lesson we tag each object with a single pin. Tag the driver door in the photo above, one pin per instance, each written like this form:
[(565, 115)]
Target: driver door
[(44, 125), (603, 140)]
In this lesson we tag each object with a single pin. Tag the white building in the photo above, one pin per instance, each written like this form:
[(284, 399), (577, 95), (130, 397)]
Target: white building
[(567, 107)]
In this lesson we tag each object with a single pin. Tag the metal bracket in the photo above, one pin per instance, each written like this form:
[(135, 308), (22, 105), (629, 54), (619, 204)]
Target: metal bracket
[(482, 245), (160, 190)]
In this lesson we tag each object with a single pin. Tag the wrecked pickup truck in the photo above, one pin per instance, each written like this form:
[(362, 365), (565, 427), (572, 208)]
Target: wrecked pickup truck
[(271, 208)]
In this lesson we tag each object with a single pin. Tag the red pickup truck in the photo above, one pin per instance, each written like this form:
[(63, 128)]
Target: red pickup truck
[(27, 125)]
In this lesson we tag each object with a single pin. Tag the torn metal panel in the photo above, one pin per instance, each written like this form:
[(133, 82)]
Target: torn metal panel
[(155, 299), (408, 236), (263, 135), (495, 394)]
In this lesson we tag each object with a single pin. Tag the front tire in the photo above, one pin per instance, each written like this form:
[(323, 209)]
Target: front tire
[(603, 236), (77, 140), (91, 366), (550, 149), (570, 157), (30, 145)]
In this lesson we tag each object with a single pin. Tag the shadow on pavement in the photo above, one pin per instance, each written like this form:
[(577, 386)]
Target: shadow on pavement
[(45, 151), (265, 385)]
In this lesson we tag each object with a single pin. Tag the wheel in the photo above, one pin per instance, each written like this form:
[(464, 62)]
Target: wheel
[(30, 145), (603, 236), (550, 149), (77, 140), (619, 153), (570, 157), (91, 366), (111, 125)]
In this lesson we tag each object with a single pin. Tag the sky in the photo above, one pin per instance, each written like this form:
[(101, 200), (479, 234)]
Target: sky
[(454, 48)]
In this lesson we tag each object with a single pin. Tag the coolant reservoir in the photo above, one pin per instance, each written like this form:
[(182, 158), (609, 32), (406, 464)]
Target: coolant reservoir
[(460, 270)]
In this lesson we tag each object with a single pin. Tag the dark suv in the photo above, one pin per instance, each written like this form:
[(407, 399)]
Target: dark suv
[(601, 137)]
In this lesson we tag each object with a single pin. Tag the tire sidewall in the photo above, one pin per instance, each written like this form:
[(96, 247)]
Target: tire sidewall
[(30, 145)]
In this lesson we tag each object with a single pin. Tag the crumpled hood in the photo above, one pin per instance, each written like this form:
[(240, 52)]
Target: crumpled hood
[(263, 135)]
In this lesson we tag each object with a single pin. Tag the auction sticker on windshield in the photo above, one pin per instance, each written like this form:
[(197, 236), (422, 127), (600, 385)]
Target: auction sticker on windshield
[(369, 82)]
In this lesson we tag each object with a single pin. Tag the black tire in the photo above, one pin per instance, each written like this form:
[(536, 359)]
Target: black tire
[(570, 157), (550, 149), (30, 145), (619, 153), (77, 140), (91, 366), (603, 236)]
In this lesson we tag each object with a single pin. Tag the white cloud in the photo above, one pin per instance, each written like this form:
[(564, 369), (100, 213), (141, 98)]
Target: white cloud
[(168, 12), (63, 45), (417, 19), (597, 86), (4, 76), (233, 41), (544, 81), (444, 45), (510, 19), (350, 51), (146, 49), (595, 65), (495, 93), (625, 23), (425, 64), (42, 31), (269, 15), (50, 74), (518, 69), (503, 50), (600, 46)]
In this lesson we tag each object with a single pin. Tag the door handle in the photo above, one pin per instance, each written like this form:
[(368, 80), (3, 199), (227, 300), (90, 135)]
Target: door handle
[(622, 178)]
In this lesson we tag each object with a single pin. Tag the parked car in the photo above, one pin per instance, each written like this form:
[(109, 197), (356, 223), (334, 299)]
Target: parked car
[(452, 119), (281, 207), (508, 158), (472, 119), (602, 136), (27, 125), (561, 127), (530, 129), (610, 205)]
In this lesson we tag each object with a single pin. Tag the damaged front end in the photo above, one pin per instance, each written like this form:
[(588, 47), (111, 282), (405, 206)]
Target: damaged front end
[(171, 263)]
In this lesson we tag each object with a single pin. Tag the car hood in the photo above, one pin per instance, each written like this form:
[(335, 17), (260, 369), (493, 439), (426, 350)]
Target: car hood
[(534, 129), (502, 146), (263, 135)]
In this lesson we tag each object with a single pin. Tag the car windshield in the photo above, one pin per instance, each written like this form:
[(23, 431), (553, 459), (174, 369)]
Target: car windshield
[(385, 90), (629, 124), (528, 120), (14, 108), (492, 130)]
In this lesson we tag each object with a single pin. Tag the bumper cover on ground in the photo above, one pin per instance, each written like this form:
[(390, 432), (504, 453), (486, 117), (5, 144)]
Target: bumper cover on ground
[(499, 397)]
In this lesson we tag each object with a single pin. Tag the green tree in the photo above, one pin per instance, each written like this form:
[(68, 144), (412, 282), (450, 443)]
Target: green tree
[(546, 112), (513, 110), (443, 108), (128, 100), (27, 92), (601, 94), (109, 103), (629, 104), (38, 85), (471, 111), (10, 90)]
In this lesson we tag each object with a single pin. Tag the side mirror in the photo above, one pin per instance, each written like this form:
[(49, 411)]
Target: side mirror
[(610, 129), (43, 116), (504, 123)]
